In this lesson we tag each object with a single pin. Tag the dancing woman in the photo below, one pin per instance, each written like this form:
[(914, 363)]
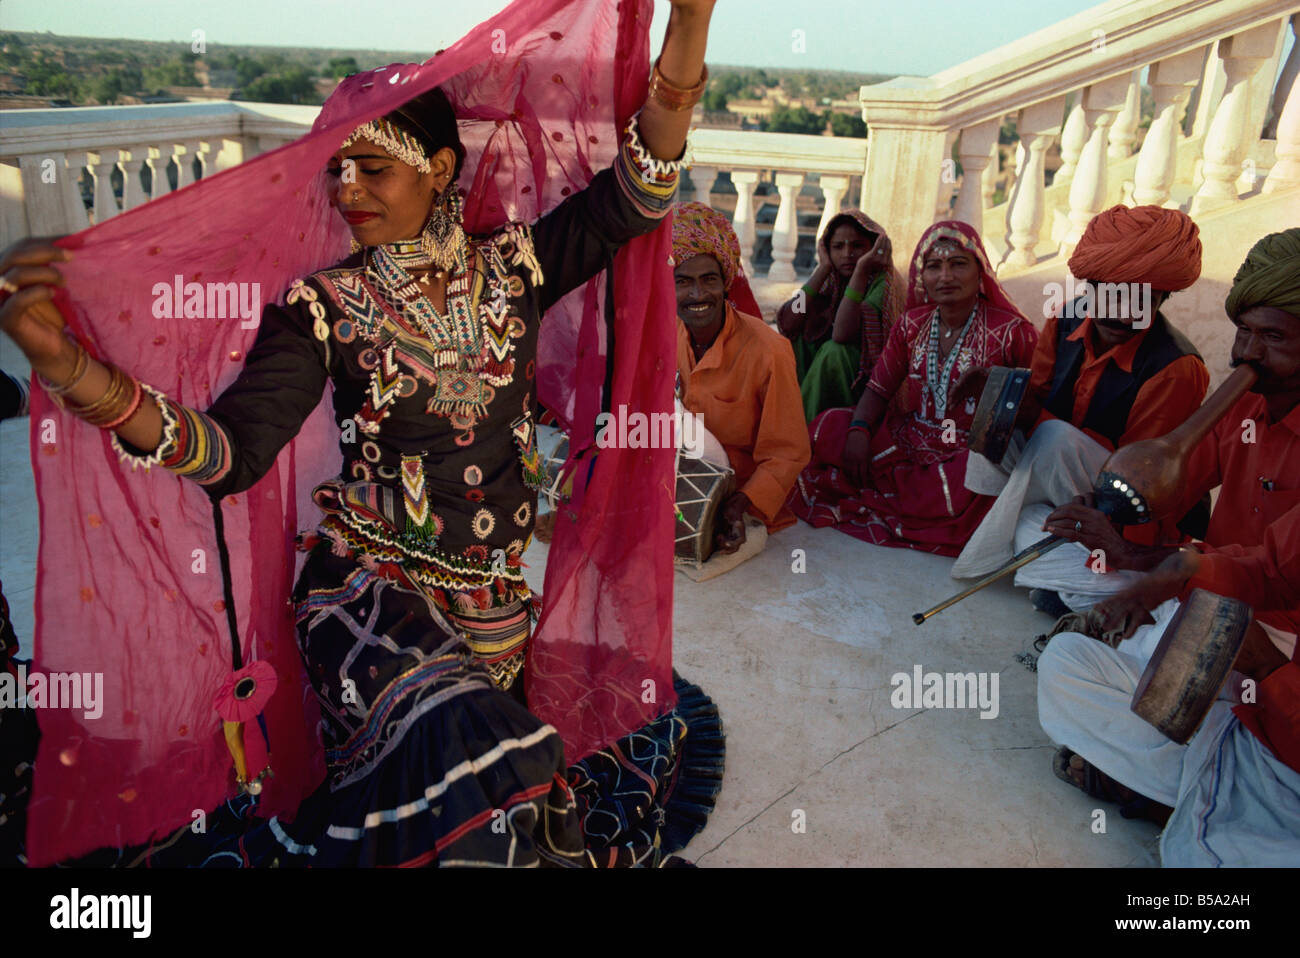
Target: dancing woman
[(411, 609), (891, 470)]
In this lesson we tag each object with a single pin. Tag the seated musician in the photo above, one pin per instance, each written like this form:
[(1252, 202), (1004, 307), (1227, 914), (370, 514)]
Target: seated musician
[(1235, 786), (1106, 373), (736, 373), (838, 322), (891, 471)]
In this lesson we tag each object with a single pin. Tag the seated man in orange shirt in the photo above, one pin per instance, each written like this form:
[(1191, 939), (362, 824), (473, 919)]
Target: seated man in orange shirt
[(1234, 788), (737, 373), (1108, 371)]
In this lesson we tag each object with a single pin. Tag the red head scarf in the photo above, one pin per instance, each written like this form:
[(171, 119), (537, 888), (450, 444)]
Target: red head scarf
[(1142, 244), (127, 581), (965, 237), (701, 230)]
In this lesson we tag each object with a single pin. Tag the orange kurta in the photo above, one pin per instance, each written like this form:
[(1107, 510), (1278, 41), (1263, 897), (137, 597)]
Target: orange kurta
[(746, 390)]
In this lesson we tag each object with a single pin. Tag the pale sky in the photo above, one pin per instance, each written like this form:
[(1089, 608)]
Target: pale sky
[(916, 37)]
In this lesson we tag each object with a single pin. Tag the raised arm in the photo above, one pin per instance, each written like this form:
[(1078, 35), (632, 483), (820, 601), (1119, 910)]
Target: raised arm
[(576, 240), (226, 449)]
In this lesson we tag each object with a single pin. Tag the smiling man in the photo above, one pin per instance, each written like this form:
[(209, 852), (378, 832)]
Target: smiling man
[(1108, 371), (1235, 786), (737, 373)]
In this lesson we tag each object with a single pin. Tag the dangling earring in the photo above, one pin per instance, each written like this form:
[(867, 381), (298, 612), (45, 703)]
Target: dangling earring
[(444, 236)]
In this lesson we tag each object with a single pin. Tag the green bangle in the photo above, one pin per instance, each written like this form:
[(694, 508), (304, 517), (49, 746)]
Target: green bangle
[(859, 424), (856, 297), (809, 290)]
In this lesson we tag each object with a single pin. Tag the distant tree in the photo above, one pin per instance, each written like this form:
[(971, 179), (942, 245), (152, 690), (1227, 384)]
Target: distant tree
[(294, 85), (248, 69), (106, 88), (796, 120), (715, 100), (175, 72), (843, 124), (340, 67)]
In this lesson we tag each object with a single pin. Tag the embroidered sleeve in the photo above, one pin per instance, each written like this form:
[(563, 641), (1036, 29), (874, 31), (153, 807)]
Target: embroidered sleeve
[(192, 444), (650, 183)]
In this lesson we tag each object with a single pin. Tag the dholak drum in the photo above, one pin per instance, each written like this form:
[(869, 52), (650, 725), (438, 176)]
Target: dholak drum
[(701, 487), (995, 416), (1191, 663)]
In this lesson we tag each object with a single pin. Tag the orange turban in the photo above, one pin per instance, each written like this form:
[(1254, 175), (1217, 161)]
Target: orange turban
[(1144, 244)]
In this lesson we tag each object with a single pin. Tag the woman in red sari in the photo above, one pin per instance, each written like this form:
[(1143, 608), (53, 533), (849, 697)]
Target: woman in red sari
[(892, 471)]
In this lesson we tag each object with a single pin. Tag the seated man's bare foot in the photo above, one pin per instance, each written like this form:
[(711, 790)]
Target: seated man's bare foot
[(545, 527), (1092, 781)]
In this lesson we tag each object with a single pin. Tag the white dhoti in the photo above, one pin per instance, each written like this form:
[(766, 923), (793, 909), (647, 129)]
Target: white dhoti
[(1058, 463), (1234, 803)]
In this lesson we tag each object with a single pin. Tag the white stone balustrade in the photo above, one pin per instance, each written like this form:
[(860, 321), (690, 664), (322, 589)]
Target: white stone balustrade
[(1226, 141), (122, 139), (1286, 165), (785, 232), (1095, 57)]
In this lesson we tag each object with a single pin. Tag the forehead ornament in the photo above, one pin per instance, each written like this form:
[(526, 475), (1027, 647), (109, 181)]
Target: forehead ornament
[(393, 140)]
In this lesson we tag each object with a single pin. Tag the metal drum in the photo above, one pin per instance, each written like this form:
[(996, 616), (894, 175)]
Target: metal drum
[(1191, 663), (995, 416)]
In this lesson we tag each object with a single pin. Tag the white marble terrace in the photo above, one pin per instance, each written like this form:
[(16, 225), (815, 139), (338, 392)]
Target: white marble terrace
[(800, 662)]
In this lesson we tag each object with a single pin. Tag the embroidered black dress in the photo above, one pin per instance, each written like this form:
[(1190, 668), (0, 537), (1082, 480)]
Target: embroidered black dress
[(419, 553)]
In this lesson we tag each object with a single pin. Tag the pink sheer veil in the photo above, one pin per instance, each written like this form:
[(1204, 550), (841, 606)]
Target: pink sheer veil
[(128, 583)]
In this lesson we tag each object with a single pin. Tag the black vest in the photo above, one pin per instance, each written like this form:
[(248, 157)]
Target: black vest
[(1111, 404)]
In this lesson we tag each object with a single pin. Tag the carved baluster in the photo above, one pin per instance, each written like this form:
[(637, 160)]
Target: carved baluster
[(1229, 137), (743, 221), (785, 232), (102, 166), (947, 179), (1101, 103), (702, 178), (833, 190), (159, 159), (1285, 81), (1038, 126), (1073, 137), (1172, 80), (989, 179), (132, 190), (1123, 133), (1286, 166), (975, 151)]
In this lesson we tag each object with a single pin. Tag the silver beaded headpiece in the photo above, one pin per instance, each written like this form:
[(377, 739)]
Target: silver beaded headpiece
[(394, 141)]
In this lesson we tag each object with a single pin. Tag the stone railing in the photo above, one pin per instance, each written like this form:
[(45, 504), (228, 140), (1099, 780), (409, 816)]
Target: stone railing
[(790, 158), (1217, 59), (54, 163)]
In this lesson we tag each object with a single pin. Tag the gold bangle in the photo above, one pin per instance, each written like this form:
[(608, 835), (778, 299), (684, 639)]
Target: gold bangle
[(673, 97), (110, 406), (79, 368)]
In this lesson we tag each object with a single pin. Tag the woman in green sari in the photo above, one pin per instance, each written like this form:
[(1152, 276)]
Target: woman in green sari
[(838, 322)]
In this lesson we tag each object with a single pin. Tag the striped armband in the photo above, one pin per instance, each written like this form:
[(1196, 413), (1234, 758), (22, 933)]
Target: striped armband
[(192, 444), (649, 182)]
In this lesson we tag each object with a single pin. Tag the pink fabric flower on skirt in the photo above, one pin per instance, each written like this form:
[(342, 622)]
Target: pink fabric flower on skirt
[(245, 693)]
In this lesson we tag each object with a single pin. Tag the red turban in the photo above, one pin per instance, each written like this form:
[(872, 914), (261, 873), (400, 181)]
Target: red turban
[(1144, 244)]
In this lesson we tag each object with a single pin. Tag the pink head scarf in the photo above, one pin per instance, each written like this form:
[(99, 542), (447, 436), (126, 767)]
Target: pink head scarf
[(128, 585)]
